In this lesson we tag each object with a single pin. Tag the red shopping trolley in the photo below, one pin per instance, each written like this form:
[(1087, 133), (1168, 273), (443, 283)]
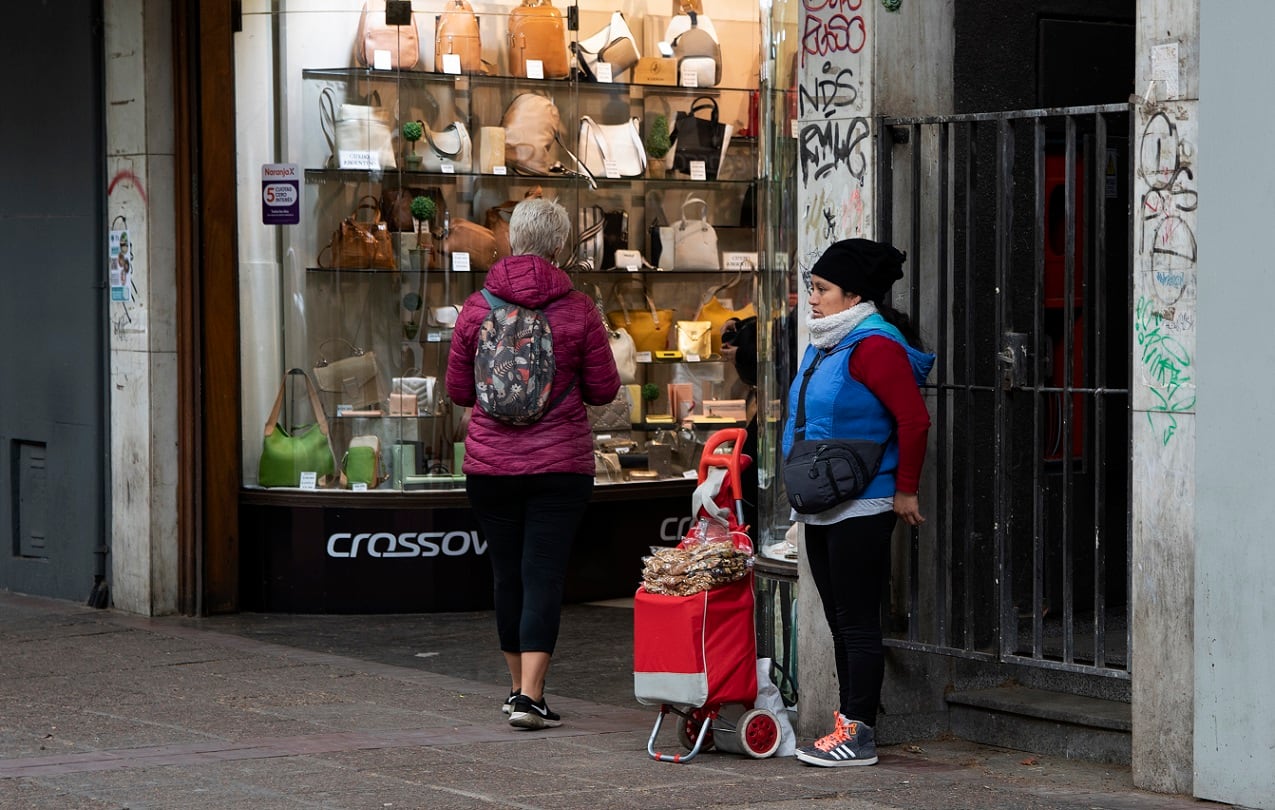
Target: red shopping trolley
[(696, 656)]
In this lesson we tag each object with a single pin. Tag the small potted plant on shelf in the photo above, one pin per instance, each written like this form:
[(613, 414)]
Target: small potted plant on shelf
[(412, 132), (423, 210), (650, 393), (657, 144)]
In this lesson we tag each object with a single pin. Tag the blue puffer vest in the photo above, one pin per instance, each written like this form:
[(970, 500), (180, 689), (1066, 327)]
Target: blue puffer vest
[(840, 407)]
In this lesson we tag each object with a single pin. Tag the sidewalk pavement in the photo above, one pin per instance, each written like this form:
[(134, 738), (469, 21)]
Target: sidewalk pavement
[(101, 710)]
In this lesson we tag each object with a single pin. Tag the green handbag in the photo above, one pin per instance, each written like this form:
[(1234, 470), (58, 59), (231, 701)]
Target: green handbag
[(286, 454), (362, 462)]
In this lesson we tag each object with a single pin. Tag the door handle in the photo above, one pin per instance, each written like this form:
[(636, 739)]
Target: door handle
[(1013, 360)]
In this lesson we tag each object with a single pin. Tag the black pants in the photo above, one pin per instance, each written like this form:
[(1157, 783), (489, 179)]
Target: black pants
[(850, 564), (529, 522)]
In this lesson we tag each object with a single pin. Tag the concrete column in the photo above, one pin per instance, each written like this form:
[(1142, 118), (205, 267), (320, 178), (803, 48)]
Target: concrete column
[(853, 63), (1164, 388), (143, 339)]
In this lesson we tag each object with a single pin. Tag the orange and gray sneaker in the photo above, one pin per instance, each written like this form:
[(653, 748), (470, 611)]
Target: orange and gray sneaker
[(850, 743)]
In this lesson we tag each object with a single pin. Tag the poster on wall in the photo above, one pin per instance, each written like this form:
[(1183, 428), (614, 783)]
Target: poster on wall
[(280, 194), (120, 263)]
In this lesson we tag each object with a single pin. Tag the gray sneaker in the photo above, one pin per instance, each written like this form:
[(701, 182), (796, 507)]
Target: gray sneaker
[(850, 743)]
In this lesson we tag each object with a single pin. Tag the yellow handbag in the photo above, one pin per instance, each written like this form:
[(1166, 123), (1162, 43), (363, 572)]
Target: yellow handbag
[(717, 313), (695, 339), (649, 327)]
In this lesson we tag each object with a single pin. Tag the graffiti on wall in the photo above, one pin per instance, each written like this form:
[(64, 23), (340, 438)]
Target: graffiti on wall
[(830, 26), (1164, 317)]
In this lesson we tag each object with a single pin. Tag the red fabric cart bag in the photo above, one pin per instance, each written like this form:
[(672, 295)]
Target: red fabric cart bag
[(695, 650)]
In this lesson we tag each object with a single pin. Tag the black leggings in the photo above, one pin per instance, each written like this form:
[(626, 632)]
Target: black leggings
[(529, 522), (850, 564)]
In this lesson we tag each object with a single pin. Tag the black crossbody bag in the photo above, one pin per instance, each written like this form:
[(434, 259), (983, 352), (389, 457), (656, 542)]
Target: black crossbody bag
[(822, 473)]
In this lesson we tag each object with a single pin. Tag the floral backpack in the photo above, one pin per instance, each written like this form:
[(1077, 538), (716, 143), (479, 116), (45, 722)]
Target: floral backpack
[(514, 365)]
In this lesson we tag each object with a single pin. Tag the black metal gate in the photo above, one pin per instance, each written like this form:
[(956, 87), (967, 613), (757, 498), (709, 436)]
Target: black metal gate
[(1017, 230)]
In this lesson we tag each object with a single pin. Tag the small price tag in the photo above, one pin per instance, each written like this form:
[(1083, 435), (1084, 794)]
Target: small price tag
[(604, 72), (643, 357), (692, 358), (358, 159), (447, 167), (500, 169), (433, 337), (358, 486), (451, 63), (535, 69), (690, 77), (611, 169), (460, 262), (738, 260), (381, 60), (309, 480), (698, 170)]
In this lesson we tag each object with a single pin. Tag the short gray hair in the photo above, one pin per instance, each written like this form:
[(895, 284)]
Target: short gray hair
[(539, 227)]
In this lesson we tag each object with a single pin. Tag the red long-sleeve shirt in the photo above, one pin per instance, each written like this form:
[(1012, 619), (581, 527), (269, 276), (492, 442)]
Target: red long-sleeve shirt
[(882, 365)]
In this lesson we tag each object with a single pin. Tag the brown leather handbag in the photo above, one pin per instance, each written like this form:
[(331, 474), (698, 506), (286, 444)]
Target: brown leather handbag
[(377, 33), (456, 31), (360, 243), (537, 30), (469, 237)]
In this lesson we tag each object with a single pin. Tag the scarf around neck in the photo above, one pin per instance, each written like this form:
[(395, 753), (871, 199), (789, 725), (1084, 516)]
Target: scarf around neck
[(830, 330)]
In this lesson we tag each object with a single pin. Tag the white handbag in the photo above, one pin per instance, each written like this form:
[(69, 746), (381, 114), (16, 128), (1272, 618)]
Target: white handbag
[(614, 44), (359, 135), (450, 145), (625, 352), (696, 48), (694, 240), (620, 144)]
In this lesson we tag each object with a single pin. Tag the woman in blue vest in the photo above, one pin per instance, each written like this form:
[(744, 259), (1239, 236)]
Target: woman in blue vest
[(868, 367)]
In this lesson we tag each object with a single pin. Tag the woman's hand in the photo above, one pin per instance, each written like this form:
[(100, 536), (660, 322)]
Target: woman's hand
[(908, 507)]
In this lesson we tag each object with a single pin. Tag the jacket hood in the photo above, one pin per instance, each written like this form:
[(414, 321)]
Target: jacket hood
[(529, 281)]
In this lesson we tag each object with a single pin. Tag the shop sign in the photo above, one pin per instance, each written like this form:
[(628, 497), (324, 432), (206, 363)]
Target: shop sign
[(280, 194), (388, 545)]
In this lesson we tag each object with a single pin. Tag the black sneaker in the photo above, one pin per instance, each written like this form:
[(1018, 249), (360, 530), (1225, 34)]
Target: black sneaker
[(508, 705), (527, 713)]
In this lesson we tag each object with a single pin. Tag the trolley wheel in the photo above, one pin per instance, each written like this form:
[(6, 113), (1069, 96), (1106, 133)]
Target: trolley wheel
[(688, 732), (759, 733)]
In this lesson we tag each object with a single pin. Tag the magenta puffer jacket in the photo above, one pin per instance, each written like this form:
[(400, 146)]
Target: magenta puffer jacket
[(561, 441)]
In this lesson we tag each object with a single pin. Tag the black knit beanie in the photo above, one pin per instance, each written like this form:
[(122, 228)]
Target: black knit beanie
[(861, 266)]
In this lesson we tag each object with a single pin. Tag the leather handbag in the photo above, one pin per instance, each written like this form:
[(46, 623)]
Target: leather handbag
[(498, 221), (286, 454), (611, 145), (695, 138), (613, 416), (624, 350), (361, 463), (400, 39), (615, 236), (614, 44), (695, 339), (711, 309), (464, 236), (649, 327), (449, 145), (538, 31), (822, 473), (396, 207), (590, 240), (531, 123), (456, 32), (354, 379), (694, 240), (359, 136), (360, 242), (415, 395), (696, 49)]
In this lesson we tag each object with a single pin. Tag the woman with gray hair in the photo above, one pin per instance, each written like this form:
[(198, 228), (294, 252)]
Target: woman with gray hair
[(529, 485)]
